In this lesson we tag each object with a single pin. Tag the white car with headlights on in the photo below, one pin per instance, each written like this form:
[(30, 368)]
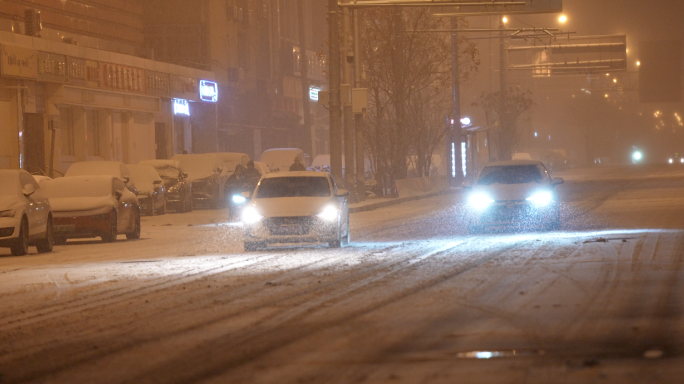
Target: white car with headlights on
[(25, 213), (296, 207), (513, 194)]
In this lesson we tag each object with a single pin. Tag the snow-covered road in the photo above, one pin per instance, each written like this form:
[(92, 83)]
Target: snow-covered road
[(414, 298)]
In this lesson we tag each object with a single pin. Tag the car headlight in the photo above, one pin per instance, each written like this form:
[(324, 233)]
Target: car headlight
[(8, 213), (239, 199), (329, 213), (671, 161), (250, 215), (681, 160), (541, 199), (480, 201)]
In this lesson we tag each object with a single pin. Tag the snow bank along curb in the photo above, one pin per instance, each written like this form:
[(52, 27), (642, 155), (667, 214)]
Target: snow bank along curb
[(399, 200)]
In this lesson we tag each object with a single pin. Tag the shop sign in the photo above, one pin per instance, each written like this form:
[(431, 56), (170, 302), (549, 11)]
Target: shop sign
[(77, 71), (158, 84), (122, 78), (208, 91), (184, 88), (18, 62), (181, 107), (52, 67), (313, 93)]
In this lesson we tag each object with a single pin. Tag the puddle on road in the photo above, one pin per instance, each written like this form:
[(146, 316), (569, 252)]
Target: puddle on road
[(498, 354)]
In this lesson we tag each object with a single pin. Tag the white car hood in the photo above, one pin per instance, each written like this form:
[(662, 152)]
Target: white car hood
[(291, 206), (69, 204), (7, 202), (500, 192)]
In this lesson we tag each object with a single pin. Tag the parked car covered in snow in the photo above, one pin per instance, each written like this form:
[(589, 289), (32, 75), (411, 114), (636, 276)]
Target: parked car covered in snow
[(517, 193), (102, 168), (280, 159), (206, 176), (296, 207), (93, 206), (149, 188), (178, 188), (25, 213)]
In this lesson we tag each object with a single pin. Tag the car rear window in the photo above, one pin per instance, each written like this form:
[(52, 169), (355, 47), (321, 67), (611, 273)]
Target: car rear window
[(510, 174), (293, 187)]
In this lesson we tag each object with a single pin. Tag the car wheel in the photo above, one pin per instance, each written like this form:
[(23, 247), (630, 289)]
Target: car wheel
[(251, 246), (20, 245), (136, 231), (110, 236), (46, 244)]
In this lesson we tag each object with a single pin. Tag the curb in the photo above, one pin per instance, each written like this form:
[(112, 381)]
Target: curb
[(399, 200)]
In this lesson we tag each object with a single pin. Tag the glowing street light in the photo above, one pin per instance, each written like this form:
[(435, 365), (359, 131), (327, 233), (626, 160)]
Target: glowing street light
[(562, 19), (638, 63), (637, 156), (505, 19)]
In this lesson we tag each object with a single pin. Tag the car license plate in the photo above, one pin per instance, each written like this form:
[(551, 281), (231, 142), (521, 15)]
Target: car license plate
[(65, 228)]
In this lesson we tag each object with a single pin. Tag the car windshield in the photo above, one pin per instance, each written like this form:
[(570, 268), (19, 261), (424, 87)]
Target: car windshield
[(9, 185), (293, 187), (167, 171), (510, 174)]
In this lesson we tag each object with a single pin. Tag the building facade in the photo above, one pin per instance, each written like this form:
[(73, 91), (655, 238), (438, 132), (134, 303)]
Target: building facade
[(84, 87)]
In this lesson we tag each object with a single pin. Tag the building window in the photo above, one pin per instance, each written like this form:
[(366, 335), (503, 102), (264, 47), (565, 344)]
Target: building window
[(92, 133), (243, 51), (66, 128)]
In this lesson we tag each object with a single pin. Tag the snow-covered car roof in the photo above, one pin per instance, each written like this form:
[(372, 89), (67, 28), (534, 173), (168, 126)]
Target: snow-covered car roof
[(162, 163), (280, 157), (92, 168), (199, 166), (144, 176), (79, 186), (40, 178)]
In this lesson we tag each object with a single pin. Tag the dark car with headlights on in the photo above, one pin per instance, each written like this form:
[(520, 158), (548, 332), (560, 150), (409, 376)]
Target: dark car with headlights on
[(150, 189), (205, 173), (296, 207), (178, 188), (513, 194), (92, 206)]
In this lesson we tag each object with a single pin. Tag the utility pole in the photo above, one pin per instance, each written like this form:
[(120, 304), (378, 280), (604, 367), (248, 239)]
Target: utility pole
[(304, 70), (349, 169), (454, 138), (334, 69), (358, 117)]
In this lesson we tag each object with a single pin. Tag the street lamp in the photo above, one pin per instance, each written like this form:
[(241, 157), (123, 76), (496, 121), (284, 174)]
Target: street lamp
[(505, 19), (562, 19)]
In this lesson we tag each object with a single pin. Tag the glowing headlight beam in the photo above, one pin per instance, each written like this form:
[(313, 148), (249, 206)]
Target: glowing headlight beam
[(480, 201), (250, 215), (329, 213), (541, 199), (238, 199)]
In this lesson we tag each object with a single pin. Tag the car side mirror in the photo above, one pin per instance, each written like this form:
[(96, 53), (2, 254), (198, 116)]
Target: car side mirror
[(157, 182), (126, 179), (247, 194), (29, 190), (118, 195), (185, 175), (342, 193), (557, 181), (219, 169), (467, 185)]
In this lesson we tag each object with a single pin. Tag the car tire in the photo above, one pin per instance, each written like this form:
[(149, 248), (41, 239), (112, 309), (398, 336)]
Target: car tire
[(135, 235), (110, 236), (251, 246), (20, 245), (46, 245)]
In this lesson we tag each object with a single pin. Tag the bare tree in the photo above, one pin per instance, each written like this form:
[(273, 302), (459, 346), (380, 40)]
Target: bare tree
[(503, 112), (408, 77)]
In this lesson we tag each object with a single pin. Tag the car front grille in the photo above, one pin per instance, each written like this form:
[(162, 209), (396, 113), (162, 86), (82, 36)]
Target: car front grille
[(289, 226)]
